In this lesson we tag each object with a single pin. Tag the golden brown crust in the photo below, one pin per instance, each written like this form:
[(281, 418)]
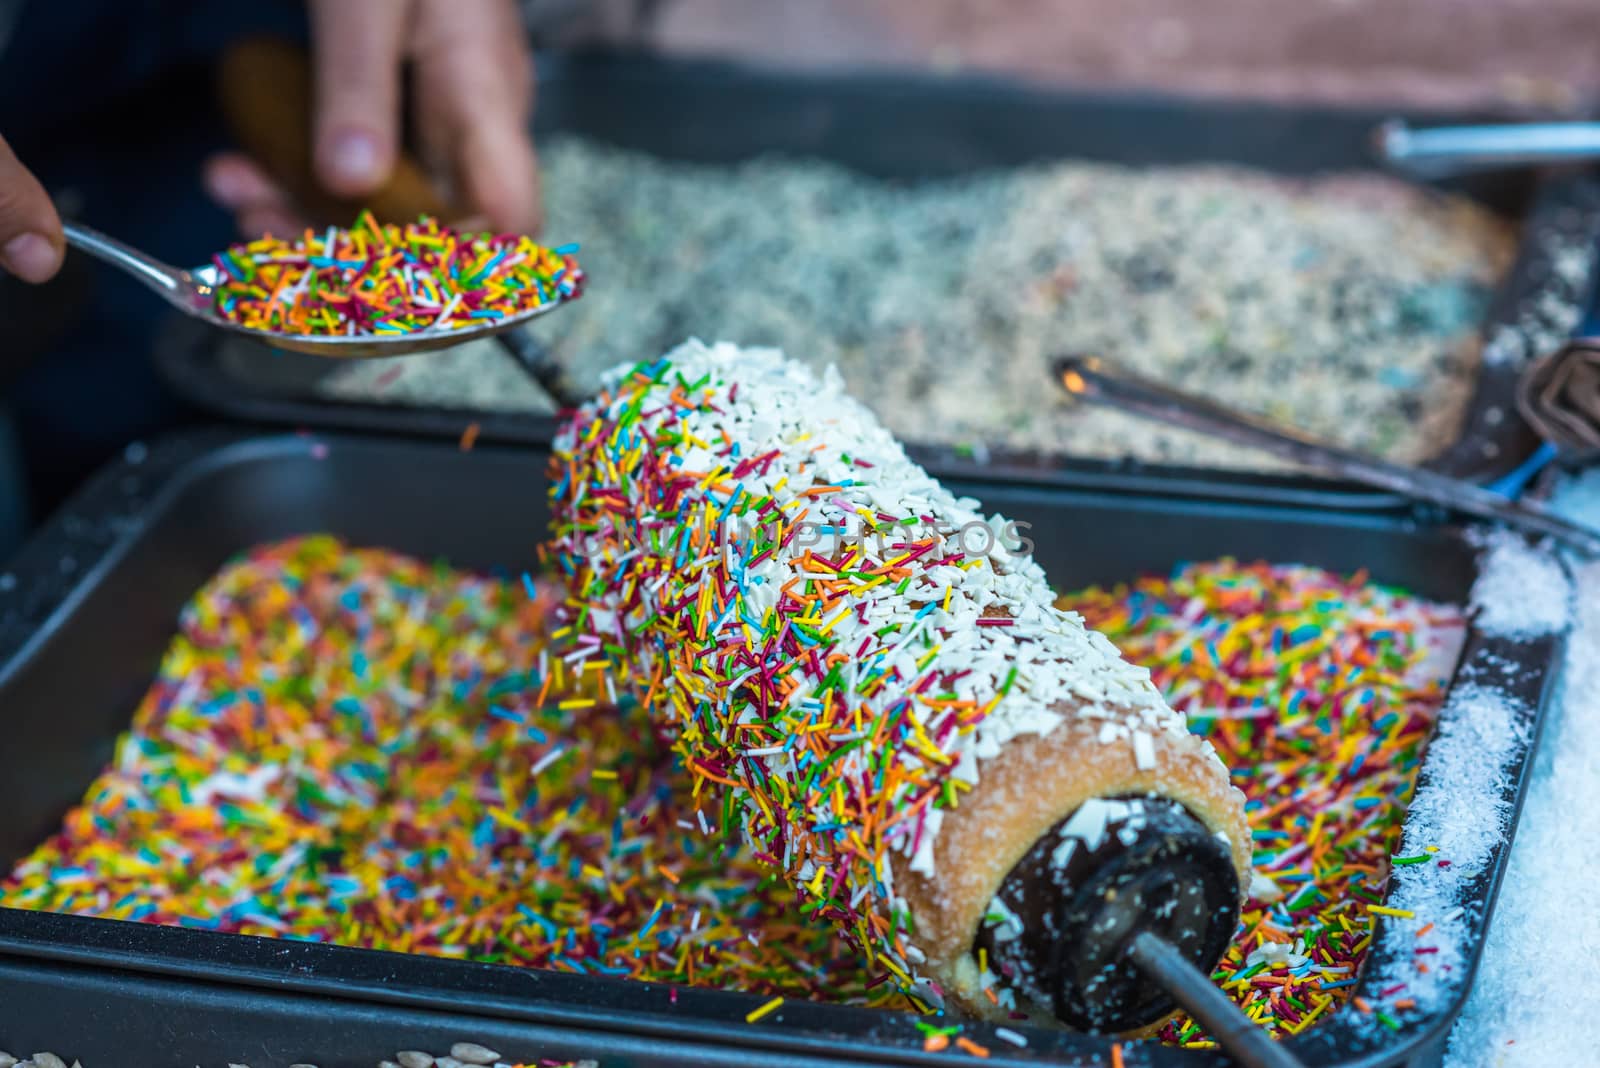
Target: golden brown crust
[(1034, 783)]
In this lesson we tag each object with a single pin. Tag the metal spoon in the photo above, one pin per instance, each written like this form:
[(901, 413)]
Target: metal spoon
[(1092, 379), (1446, 150), (193, 293)]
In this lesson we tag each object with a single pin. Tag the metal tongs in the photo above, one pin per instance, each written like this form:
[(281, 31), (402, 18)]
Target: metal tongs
[(1095, 380)]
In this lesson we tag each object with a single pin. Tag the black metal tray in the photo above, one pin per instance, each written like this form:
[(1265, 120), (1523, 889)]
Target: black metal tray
[(907, 126), (87, 609)]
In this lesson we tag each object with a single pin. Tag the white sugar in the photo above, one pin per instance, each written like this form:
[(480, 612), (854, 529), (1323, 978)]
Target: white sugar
[(1538, 986), (1522, 591)]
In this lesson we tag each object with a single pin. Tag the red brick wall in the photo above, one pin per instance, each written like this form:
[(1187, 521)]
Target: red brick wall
[(1445, 52)]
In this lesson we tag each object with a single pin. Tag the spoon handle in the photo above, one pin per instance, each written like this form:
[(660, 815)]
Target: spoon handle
[(537, 362), (165, 279), (264, 87), (1094, 380)]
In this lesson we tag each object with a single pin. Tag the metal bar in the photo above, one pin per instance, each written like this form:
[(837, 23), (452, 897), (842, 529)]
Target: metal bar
[(1445, 150)]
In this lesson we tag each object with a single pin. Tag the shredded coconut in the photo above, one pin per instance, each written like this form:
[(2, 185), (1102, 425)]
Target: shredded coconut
[(1459, 815), (1545, 936), (1460, 812), (1522, 591), (1262, 888)]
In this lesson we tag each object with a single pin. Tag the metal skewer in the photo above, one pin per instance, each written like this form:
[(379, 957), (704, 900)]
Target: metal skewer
[(1240, 1037)]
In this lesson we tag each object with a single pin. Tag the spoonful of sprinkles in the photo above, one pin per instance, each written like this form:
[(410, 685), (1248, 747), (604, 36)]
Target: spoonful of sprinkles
[(372, 290)]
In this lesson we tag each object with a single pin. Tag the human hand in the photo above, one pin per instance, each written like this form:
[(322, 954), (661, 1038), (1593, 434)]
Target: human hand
[(472, 82), (31, 245)]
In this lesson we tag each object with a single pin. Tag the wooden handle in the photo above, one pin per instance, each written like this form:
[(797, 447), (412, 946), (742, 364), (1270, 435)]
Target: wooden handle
[(265, 90)]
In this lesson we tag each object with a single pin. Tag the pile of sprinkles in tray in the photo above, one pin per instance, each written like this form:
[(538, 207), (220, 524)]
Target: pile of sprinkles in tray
[(350, 746), (373, 280)]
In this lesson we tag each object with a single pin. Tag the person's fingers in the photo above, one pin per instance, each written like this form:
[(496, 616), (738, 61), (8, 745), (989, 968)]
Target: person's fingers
[(357, 50), (474, 98), (260, 222), (259, 205), (31, 245), (500, 176)]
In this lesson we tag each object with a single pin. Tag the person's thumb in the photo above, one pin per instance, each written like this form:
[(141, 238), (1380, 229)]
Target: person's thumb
[(357, 47), (31, 244)]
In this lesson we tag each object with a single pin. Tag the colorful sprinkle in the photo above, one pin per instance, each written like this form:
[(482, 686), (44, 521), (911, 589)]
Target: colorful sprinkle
[(1381, 911), (755, 1014)]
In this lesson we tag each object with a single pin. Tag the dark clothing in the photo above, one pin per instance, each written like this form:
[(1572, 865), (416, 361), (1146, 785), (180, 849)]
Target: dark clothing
[(110, 103)]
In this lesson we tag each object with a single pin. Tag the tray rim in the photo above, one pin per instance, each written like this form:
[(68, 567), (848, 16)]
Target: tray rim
[(50, 939)]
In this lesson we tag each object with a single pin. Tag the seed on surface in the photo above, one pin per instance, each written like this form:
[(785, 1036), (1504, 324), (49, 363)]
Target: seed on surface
[(472, 1053)]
